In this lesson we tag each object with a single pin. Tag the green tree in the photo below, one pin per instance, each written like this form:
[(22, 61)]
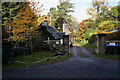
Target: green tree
[(61, 16), (52, 15), (98, 12), (114, 13), (106, 25), (101, 13), (109, 18)]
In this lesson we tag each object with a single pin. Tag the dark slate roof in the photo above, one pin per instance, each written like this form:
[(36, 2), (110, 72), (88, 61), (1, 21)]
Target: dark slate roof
[(55, 34)]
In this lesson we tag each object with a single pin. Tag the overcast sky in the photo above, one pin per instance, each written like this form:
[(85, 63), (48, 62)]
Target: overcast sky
[(80, 7)]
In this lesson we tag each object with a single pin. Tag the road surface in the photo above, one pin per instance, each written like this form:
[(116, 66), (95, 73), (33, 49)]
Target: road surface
[(75, 67)]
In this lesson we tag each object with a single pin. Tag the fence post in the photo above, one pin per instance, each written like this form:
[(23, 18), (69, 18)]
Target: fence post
[(65, 47)]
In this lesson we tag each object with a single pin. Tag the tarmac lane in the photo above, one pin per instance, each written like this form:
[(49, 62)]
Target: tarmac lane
[(75, 67)]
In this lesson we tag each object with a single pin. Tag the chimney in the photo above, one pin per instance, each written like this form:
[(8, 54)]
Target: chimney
[(45, 22)]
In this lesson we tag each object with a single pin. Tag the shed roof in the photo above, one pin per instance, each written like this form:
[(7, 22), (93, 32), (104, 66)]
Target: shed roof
[(113, 30), (109, 31)]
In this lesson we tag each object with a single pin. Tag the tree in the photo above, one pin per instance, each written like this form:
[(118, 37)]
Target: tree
[(9, 12), (114, 13), (98, 11), (60, 16), (96, 8), (52, 14), (25, 27), (103, 15), (110, 19), (81, 30), (72, 26)]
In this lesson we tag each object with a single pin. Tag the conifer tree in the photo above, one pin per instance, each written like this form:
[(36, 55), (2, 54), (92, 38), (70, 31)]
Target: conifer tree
[(60, 15)]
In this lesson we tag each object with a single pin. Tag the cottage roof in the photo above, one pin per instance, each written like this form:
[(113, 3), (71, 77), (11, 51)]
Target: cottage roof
[(55, 34)]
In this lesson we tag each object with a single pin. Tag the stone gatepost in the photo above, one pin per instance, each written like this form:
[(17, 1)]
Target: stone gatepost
[(100, 43), (65, 47)]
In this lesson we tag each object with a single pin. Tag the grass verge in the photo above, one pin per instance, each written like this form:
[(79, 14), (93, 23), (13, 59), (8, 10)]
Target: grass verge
[(89, 46), (44, 57), (107, 56), (83, 55)]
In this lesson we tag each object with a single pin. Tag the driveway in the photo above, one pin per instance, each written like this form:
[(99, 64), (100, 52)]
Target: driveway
[(75, 67)]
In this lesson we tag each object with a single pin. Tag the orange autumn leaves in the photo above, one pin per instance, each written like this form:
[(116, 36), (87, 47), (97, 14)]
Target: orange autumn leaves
[(25, 27), (81, 30)]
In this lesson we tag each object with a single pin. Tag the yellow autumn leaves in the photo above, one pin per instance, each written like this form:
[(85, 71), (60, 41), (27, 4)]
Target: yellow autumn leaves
[(42, 19), (81, 30), (105, 26)]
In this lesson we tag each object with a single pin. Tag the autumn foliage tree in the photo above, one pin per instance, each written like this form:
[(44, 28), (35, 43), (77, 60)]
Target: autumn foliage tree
[(25, 27), (26, 24), (72, 26), (81, 30), (9, 12)]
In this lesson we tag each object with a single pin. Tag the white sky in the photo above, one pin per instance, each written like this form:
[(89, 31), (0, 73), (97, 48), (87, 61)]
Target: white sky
[(80, 7)]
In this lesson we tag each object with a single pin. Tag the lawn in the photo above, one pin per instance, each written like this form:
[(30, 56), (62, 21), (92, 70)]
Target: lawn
[(89, 46), (86, 45), (44, 57), (107, 56)]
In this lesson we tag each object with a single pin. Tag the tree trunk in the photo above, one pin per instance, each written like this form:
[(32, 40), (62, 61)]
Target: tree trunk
[(30, 47), (40, 46)]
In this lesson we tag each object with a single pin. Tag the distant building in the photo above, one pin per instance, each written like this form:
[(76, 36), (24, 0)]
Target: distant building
[(66, 30)]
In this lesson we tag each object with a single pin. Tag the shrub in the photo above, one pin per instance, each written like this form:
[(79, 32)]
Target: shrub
[(106, 25), (92, 38)]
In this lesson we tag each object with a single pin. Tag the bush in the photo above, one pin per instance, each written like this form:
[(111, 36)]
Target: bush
[(92, 38), (109, 25), (116, 24), (89, 32), (37, 41), (106, 25), (20, 49)]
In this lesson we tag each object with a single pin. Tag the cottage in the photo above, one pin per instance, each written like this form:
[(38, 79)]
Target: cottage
[(50, 32), (54, 39)]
